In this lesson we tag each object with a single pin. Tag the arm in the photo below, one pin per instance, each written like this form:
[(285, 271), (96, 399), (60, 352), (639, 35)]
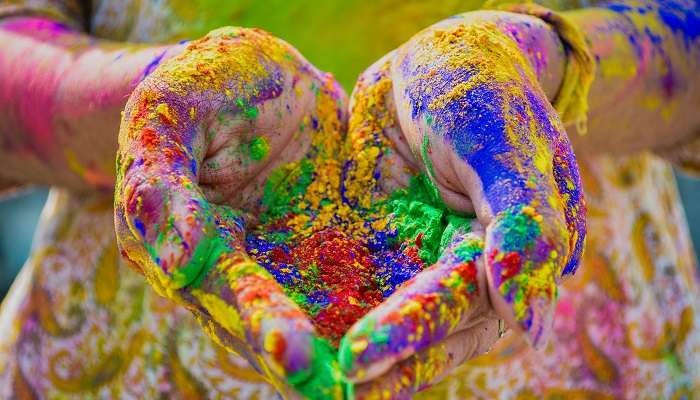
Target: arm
[(472, 95), (63, 130), (190, 186), (645, 87), (646, 90), (61, 94)]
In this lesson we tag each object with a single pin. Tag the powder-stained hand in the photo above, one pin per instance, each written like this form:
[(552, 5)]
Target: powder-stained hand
[(471, 116), (205, 129)]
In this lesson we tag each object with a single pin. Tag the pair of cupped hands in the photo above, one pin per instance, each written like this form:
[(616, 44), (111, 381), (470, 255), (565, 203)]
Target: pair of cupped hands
[(456, 104)]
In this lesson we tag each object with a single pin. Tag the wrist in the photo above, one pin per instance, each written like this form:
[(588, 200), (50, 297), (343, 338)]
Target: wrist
[(571, 97)]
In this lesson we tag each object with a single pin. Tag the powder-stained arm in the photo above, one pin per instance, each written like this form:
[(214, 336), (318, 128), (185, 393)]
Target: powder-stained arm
[(646, 90), (476, 121), (61, 94)]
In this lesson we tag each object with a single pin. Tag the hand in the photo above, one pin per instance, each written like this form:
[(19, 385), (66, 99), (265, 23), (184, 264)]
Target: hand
[(460, 104), (205, 129)]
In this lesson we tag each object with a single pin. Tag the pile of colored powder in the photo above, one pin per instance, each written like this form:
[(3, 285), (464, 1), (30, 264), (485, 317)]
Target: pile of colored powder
[(333, 239), (338, 262)]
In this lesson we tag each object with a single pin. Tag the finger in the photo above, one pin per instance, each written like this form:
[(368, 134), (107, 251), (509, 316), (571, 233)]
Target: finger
[(534, 213), (162, 213), (194, 254), (431, 365), (507, 151), (434, 304)]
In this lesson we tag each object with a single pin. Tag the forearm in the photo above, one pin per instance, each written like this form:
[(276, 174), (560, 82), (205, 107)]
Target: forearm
[(646, 91), (61, 94)]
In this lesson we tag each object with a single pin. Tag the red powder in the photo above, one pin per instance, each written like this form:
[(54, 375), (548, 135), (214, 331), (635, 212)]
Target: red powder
[(419, 240), (278, 346), (510, 265), (467, 271), (278, 255), (412, 253), (164, 119), (149, 138), (347, 272)]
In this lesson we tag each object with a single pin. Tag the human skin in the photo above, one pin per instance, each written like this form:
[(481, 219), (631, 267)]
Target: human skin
[(647, 86), (178, 158), (64, 69), (62, 93), (614, 35), (472, 61), (592, 129), (254, 328), (188, 187)]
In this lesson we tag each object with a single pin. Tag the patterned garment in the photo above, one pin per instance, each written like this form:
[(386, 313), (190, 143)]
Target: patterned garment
[(78, 323)]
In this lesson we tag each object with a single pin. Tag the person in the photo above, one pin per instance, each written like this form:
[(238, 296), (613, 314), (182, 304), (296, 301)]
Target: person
[(69, 324)]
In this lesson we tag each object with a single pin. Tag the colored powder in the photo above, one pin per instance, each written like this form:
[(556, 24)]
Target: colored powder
[(259, 148), (338, 276), (323, 383), (336, 243), (331, 238)]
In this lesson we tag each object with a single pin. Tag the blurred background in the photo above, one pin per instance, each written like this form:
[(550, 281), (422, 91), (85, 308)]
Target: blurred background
[(19, 213)]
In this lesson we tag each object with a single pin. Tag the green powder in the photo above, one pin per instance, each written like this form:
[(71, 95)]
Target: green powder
[(418, 210), (283, 185), (248, 111), (324, 380), (520, 230), (258, 148)]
